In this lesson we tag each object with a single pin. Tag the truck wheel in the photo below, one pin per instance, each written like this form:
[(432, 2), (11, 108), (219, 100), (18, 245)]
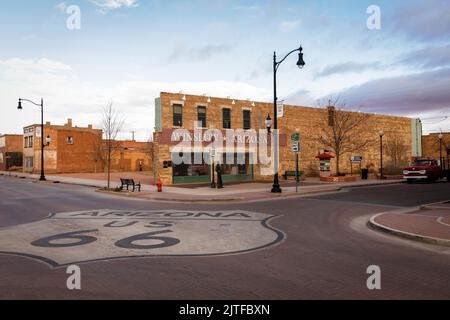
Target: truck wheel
[(409, 181)]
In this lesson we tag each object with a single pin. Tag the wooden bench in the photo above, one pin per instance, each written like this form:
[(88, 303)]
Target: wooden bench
[(291, 174), (130, 183)]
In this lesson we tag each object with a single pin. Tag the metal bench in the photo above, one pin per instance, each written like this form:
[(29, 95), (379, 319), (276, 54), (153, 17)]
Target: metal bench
[(291, 174), (130, 183)]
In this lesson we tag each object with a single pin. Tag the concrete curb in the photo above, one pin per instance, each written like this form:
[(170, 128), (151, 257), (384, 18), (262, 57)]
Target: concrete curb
[(210, 200), (218, 200), (408, 235)]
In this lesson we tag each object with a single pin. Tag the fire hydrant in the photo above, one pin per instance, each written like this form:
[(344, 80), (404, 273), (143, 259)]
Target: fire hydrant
[(159, 185)]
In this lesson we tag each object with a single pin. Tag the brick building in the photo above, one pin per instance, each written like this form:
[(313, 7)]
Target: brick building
[(11, 152), (72, 149), (195, 114), (80, 149), (132, 156), (431, 147)]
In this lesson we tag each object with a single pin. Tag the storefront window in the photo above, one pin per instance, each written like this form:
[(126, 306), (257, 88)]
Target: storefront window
[(191, 170), (240, 166)]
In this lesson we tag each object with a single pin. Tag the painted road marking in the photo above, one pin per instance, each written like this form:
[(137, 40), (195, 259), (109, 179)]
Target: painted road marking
[(441, 221), (74, 237)]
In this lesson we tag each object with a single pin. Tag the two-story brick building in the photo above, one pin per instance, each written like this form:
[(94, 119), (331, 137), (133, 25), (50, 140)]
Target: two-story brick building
[(194, 115), (75, 149), (72, 149), (10, 152)]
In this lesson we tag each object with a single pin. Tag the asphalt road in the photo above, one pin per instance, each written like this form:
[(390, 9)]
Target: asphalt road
[(325, 254)]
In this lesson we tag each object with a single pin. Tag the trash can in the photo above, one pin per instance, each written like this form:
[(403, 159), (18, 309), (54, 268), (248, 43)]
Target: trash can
[(364, 174)]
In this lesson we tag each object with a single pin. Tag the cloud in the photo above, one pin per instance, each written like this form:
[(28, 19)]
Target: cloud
[(66, 96), (430, 57), (288, 26), (61, 7), (404, 95), (197, 54), (247, 8), (347, 67), (301, 97), (422, 20), (107, 5), (37, 65)]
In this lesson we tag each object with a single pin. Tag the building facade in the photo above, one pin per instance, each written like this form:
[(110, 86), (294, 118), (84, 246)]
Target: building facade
[(132, 156), (11, 152), (433, 147), (71, 150), (80, 149), (190, 118)]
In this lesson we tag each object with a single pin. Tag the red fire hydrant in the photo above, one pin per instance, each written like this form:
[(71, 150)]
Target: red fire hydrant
[(159, 185)]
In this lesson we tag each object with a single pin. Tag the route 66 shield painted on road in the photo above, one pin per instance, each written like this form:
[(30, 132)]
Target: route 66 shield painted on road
[(73, 237)]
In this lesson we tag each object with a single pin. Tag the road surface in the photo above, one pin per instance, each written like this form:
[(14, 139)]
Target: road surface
[(322, 252)]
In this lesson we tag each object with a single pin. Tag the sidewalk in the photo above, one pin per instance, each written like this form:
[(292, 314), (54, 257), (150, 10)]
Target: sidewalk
[(430, 224), (253, 191)]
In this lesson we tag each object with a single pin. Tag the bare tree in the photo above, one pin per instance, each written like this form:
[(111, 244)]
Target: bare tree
[(396, 149), (343, 131), (112, 124)]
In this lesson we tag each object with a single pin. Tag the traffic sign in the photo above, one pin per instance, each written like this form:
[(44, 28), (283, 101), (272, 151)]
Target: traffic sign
[(295, 147), (295, 137), (356, 159)]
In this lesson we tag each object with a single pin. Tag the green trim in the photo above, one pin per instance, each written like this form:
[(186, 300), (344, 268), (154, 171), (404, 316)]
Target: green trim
[(239, 177), (158, 114), (194, 179)]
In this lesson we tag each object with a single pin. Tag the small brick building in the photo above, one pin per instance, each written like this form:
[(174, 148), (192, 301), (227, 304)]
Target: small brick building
[(11, 152), (132, 156), (71, 150), (80, 149), (195, 114)]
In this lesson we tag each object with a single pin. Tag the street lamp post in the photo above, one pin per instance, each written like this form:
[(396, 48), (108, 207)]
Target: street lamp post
[(300, 63), (41, 105), (441, 136), (381, 133), (213, 154)]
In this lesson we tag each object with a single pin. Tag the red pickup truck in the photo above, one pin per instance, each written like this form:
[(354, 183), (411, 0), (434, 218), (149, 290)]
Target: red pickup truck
[(425, 169)]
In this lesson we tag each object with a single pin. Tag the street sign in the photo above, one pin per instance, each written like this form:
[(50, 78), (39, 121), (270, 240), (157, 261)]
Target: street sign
[(280, 109), (356, 159), (295, 137), (295, 147)]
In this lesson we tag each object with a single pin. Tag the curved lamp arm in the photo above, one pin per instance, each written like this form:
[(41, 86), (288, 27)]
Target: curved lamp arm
[(281, 61), (36, 104)]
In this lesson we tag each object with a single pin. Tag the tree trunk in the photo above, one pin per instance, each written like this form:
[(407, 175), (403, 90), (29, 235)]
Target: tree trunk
[(337, 165), (109, 165)]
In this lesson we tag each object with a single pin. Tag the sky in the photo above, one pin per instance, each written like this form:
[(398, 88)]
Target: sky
[(127, 51)]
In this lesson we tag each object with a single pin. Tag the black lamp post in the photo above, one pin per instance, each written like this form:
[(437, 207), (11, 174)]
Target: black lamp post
[(381, 133), (300, 63), (41, 105), (441, 136), (213, 154)]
